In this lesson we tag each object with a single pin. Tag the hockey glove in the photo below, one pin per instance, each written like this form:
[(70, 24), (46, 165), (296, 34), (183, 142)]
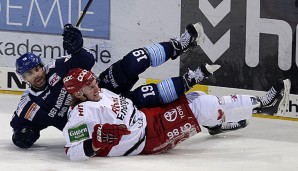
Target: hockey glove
[(108, 135), (24, 138), (72, 39)]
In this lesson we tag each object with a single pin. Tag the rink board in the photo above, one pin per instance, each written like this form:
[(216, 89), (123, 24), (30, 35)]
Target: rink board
[(10, 83)]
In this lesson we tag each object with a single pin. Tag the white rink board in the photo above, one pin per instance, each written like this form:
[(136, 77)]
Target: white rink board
[(9, 80), (11, 84), (132, 24)]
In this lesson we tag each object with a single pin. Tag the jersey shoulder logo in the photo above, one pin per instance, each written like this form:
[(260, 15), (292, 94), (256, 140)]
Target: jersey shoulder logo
[(31, 112), (53, 80)]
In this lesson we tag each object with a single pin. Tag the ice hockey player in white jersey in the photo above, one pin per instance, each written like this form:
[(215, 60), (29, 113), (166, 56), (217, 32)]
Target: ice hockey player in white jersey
[(47, 102), (102, 123)]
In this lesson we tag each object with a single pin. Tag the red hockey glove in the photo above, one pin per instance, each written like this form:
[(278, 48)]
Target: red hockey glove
[(108, 135)]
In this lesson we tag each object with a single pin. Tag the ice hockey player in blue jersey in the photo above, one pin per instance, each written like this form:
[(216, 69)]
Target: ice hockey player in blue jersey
[(46, 102)]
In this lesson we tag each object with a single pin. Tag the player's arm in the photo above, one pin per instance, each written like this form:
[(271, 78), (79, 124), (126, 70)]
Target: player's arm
[(25, 133), (25, 137), (104, 137), (84, 59)]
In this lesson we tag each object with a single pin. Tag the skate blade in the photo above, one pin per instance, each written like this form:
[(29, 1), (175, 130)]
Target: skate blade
[(285, 100), (201, 35)]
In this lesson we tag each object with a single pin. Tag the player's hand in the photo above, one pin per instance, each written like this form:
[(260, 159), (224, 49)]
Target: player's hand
[(24, 138), (108, 135), (209, 69), (72, 39)]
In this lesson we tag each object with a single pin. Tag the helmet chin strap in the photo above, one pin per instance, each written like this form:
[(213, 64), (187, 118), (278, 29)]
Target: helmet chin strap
[(84, 98), (82, 94)]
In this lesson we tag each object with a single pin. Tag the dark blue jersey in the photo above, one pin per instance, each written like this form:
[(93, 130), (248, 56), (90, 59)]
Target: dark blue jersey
[(40, 109)]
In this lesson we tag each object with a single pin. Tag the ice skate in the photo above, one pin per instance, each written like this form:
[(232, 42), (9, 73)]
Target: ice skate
[(227, 127), (197, 76), (194, 35), (276, 99)]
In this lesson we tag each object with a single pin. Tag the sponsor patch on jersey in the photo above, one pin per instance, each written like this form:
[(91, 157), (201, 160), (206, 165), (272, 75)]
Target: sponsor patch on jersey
[(32, 111), (171, 115), (54, 79), (24, 100), (78, 133), (81, 110)]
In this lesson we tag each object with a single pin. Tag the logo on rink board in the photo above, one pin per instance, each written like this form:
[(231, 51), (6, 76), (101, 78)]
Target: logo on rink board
[(49, 16), (255, 25), (13, 79), (252, 39), (78, 133)]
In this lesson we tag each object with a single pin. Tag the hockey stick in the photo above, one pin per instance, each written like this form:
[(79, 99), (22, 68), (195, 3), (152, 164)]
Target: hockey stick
[(83, 13)]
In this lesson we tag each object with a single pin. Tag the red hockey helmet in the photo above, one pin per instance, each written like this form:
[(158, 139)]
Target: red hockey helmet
[(77, 79)]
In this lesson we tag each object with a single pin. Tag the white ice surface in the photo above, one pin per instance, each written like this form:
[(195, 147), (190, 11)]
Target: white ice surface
[(265, 144)]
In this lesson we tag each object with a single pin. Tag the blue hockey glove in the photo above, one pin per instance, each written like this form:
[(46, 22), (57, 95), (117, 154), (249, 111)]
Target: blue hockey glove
[(72, 39), (24, 138)]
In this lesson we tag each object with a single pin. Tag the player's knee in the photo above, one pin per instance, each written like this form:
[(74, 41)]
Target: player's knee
[(135, 62), (146, 96)]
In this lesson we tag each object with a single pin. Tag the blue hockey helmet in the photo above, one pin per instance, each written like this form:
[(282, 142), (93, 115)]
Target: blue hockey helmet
[(26, 62)]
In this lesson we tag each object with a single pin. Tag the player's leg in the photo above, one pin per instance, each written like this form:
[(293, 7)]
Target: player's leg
[(276, 99), (228, 113), (153, 95), (223, 114), (193, 36), (138, 60), (122, 75), (273, 102), (170, 89)]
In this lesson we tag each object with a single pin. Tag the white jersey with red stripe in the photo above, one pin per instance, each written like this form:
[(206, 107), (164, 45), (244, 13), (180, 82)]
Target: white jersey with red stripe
[(113, 109)]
